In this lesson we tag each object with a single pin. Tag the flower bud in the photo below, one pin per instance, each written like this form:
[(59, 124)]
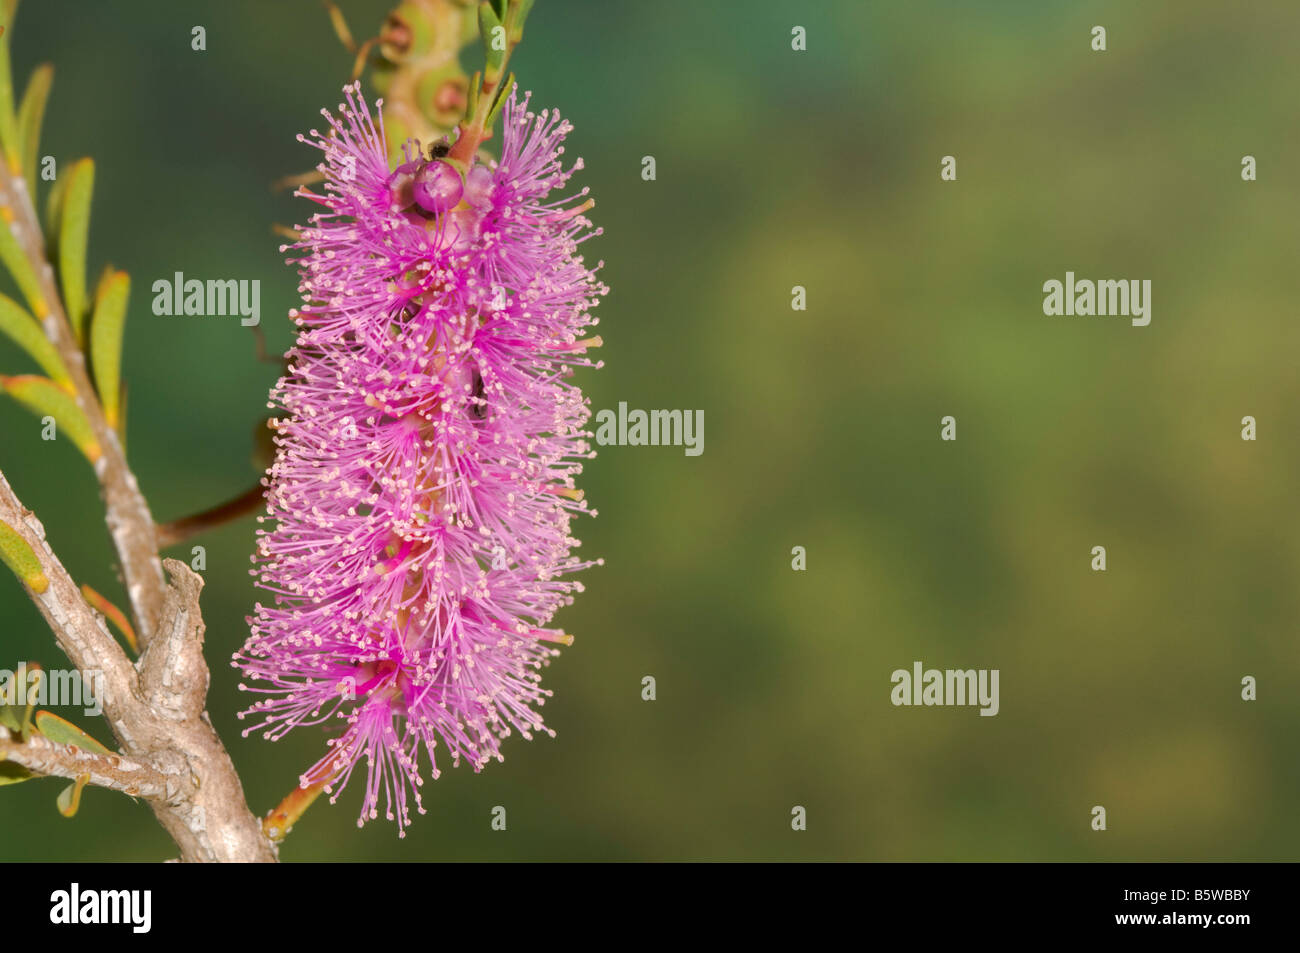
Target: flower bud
[(401, 185), (437, 188), (478, 186)]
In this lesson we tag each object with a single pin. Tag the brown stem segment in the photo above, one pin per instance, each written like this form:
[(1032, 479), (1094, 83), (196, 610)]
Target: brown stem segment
[(177, 531), (47, 758)]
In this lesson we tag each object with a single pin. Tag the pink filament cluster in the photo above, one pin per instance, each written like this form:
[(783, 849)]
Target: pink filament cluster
[(423, 485)]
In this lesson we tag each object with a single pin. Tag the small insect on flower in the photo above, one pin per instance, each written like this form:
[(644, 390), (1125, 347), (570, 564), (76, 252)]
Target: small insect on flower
[(418, 546), (478, 402)]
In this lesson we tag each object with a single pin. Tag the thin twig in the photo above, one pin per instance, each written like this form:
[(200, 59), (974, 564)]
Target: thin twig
[(177, 531), (47, 758)]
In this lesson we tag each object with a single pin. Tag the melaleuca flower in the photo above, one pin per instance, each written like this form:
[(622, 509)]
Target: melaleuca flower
[(424, 479)]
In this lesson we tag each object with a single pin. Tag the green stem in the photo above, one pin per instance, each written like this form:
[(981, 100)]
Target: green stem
[(473, 128)]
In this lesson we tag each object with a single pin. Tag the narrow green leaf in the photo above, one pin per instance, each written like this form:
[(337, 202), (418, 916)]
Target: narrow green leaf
[(31, 116), (45, 398), (113, 614), (70, 797), (475, 87), (8, 124), (25, 331), (522, 9), (63, 732), (74, 230), (487, 22), (54, 212), (20, 558), (20, 266), (106, 327), (11, 773), (502, 93)]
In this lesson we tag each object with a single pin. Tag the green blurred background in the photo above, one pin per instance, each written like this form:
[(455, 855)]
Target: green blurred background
[(775, 169)]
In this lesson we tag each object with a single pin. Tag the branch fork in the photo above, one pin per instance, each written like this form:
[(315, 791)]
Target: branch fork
[(171, 756)]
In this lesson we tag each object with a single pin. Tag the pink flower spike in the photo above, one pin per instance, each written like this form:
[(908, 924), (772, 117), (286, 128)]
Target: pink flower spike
[(424, 482)]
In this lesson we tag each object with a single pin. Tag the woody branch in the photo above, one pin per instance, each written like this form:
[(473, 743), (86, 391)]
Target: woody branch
[(171, 756)]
